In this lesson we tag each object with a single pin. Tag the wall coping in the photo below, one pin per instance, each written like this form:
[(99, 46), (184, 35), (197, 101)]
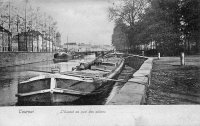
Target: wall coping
[(134, 91)]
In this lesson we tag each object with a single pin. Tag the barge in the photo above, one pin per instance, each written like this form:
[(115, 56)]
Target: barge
[(67, 87)]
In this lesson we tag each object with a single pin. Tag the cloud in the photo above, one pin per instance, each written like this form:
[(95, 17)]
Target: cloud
[(80, 20)]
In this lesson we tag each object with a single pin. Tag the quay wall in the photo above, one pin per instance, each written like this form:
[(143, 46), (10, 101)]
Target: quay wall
[(135, 61), (134, 91), (20, 58)]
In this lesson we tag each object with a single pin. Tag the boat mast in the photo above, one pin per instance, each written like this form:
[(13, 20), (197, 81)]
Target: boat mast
[(67, 43)]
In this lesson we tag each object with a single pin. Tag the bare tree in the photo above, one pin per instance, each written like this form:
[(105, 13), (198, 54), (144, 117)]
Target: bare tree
[(21, 16), (127, 10)]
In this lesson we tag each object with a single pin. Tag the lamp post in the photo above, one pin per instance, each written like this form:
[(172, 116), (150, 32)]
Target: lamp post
[(18, 32), (9, 35), (25, 34)]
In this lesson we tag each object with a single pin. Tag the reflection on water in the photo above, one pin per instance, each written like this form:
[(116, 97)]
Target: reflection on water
[(10, 76)]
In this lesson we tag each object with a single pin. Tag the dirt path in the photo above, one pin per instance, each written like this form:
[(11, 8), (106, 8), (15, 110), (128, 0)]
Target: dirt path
[(175, 84)]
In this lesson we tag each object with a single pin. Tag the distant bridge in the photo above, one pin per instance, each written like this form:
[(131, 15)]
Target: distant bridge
[(94, 51)]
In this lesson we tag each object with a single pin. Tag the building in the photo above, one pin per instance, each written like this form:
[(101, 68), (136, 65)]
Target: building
[(15, 40), (71, 46), (30, 41), (4, 39), (149, 46), (82, 47)]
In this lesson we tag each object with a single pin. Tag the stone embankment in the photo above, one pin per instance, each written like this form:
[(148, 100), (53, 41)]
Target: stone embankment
[(134, 91), (19, 58)]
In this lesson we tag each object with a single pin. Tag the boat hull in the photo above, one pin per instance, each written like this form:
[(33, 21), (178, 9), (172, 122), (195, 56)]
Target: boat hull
[(47, 99), (56, 60), (62, 57), (56, 91), (96, 97)]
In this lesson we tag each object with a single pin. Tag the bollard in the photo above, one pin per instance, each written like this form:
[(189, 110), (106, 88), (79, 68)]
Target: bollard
[(182, 59), (142, 53), (96, 54), (158, 55)]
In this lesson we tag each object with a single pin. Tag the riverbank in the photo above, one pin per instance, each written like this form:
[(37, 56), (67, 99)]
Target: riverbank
[(20, 58), (175, 84)]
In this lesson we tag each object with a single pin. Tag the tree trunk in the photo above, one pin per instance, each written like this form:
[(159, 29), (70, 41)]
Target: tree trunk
[(198, 47)]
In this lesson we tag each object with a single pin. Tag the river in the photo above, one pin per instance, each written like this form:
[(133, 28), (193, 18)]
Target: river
[(10, 76)]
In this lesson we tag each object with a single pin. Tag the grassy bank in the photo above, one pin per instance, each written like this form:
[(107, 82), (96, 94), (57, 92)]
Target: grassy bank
[(175, 84)]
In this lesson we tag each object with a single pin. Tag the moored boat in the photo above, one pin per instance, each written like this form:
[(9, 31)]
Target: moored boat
[(62, 57), (67, 87)]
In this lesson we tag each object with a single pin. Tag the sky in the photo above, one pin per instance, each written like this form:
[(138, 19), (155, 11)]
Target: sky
[(82, 21)]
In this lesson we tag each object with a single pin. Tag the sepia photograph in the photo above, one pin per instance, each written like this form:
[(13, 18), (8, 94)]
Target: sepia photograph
[(102, 62)]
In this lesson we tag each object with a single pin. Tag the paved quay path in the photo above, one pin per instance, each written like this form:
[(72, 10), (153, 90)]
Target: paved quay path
[(175, 84)]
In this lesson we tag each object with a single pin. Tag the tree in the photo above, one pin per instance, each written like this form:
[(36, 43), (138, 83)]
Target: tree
[(128, 12), (161, 24), (190, 10), (119, 38), (20, 17), (174, 25)]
